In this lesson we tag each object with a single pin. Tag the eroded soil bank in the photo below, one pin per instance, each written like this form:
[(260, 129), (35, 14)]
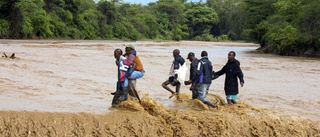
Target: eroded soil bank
[(151, 118)]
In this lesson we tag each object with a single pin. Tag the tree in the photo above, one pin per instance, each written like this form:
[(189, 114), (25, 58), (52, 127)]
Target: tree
[(258, 11), (40, 23), (231, 15), (200, 18), (4, 28)]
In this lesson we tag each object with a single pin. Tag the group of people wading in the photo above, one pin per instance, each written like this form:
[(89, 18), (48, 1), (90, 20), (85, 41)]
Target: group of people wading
[(130, 68)]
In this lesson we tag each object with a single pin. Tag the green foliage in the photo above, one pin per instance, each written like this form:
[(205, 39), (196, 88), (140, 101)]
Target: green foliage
[(206, 36), (308, 19), (85, 19), (201, 18), (120, 31), (40, 23), (231, 16), (178, 32), (4, 27), (286, 40), (283, 39), (288, 27), (25, 9), (173, 8), (108, 10), (147, 25), (258, 11)]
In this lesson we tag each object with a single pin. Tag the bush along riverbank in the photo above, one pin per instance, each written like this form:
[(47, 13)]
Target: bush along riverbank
[(289, 27)]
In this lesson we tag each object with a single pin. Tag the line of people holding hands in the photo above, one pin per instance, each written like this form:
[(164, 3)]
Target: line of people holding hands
[(201, 75)]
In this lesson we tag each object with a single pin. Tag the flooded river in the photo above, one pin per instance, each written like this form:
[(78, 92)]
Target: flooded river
[(78, 76)]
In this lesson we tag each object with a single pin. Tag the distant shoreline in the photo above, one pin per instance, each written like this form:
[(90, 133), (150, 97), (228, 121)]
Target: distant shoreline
[(55, 41)]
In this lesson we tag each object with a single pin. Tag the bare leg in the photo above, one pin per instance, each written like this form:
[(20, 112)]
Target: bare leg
[(234, 101), (167, 88), (229, 101)]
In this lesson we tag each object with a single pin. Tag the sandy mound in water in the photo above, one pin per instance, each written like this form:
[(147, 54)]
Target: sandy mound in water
[(153, 119)]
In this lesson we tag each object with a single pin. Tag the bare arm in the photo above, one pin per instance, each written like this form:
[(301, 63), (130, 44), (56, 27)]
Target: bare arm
[(134, 65)]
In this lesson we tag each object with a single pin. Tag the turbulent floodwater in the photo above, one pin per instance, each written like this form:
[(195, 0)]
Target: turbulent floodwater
[(64, 88)]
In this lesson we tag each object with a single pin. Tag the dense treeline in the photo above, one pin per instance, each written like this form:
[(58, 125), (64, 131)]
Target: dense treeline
[(288, 27), (85, 19)]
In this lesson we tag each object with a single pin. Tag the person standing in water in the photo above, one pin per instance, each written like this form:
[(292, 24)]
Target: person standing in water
[(194, 76), (232, 71), (122, 85), (205, 76), (176, 73), (136, 70)]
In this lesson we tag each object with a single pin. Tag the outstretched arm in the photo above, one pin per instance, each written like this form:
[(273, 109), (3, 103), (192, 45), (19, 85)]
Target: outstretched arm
[(219, 73)]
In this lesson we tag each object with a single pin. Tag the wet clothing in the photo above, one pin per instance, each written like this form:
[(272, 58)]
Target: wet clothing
[(170, 81), (177, 71), (202, 91), (194, 75), (122, 85), (205, 71), (137, 74), (123, 67), (232, 71), (139, 71), (132, 57), (232, 97), (177, 62), (195, 94)]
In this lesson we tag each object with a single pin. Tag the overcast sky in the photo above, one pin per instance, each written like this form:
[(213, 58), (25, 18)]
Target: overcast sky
[(145, 2)]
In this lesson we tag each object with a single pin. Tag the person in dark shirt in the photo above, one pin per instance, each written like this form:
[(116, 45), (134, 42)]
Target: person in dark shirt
[(194, 76), (205, 76), (232, 71), (173, 76)]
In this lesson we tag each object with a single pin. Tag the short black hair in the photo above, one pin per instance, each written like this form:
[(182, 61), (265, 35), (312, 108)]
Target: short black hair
[(204, 53), (177, 51), (118, 50), (234, 54)]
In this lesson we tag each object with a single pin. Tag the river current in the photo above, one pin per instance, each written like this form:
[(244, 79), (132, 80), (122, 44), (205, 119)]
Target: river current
[(66, 76)]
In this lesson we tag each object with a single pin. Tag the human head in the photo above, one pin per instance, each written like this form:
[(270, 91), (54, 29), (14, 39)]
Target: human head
[(204, 54), (117, 53), (191, 56), (129, 47), (231, 55), (176, 52)]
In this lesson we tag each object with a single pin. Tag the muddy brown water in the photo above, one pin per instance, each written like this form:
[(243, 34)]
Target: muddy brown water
[(62, 88)]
